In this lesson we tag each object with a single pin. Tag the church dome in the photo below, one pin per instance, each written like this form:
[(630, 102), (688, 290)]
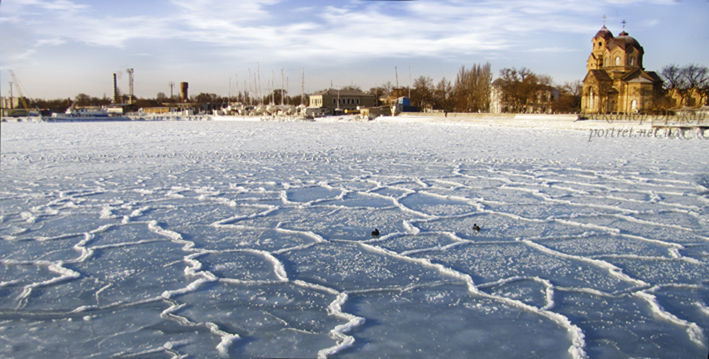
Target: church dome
[(625, 41), (604, 33)]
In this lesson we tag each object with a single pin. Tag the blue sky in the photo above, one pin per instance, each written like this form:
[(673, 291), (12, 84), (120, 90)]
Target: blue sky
[(59, 48)]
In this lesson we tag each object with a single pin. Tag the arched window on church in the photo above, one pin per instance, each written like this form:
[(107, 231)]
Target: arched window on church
[(634, 105), (617, 60), (632, 61), (590, 102)]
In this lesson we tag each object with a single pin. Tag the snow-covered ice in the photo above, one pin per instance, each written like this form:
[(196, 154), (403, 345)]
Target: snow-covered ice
[(252, 239)]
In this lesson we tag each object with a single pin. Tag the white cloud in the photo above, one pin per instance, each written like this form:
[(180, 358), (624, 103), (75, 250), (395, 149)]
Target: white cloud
[(425, 28), (28, 9), (552, 49), (27, 54), (50, 42), (244, 10)]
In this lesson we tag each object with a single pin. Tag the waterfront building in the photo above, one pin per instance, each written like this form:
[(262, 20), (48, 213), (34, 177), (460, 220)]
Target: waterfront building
[(10, 102), (342, 100), (616, 81)]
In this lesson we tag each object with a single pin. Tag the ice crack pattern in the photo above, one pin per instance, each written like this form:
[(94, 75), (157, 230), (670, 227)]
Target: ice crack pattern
[(209, 249)]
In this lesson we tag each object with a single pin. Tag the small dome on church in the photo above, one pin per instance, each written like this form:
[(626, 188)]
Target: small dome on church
[(625, 41), (604, 33)]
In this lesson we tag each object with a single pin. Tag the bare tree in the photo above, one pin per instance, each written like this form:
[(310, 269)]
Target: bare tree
[(545, 80), (472, 88), (695, 76), (381, 91), (522, 90), (352, 87), (387, 87), (524, 73), (443, 95), (422, 93), (572, 88), (569, 97), (673, 76), (82, 99), (685, 85)]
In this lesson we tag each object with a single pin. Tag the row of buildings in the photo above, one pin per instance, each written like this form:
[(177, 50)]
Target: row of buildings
[(615, 82)]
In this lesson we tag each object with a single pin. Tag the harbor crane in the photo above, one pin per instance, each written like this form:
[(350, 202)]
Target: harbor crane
[(19, 91)]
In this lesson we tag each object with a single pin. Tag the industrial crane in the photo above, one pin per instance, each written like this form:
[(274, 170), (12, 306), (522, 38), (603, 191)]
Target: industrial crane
[(19, 90)]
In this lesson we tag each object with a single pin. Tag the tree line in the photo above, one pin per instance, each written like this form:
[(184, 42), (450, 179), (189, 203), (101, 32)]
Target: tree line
[(470, 91), (515, 90), (686, 77)]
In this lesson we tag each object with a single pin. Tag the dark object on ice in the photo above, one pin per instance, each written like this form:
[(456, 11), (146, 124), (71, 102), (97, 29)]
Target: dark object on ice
[(476, 228), (375, 233)]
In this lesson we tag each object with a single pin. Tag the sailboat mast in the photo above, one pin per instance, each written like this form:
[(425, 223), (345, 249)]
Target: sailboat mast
[(409, 81), (302, 88), (251, 100), (396, 71), (282, 95), (260, 94)]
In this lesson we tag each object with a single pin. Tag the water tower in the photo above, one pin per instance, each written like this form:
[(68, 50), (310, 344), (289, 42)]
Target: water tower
[(183, 91)]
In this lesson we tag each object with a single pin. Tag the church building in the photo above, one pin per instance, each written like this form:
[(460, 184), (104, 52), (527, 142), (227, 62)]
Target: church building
[(616, 81)]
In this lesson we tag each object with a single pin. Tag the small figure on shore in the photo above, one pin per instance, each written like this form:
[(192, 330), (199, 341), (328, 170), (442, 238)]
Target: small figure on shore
[(375, 233), (476, 228)]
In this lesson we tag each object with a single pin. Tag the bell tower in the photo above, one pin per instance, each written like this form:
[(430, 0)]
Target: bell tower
[(599, 45)]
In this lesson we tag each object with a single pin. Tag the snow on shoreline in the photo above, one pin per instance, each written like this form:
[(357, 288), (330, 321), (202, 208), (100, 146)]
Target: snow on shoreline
[(559, 122), (540, 121)]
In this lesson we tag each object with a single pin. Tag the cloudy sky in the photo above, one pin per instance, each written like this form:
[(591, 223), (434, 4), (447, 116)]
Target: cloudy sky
[(59, 48)]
